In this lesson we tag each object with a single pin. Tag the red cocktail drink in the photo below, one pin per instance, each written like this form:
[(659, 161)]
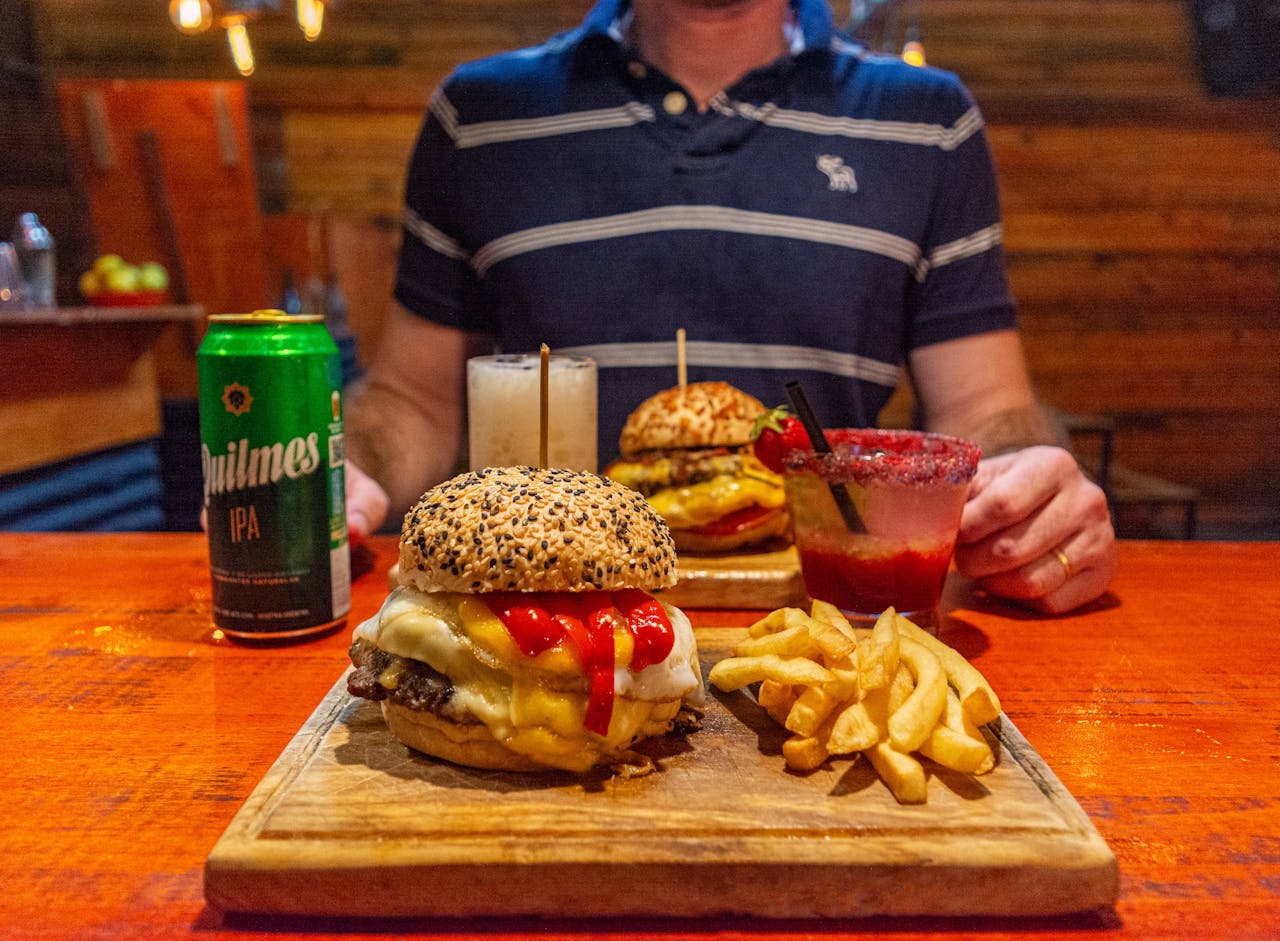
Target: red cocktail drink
[(906, 490)]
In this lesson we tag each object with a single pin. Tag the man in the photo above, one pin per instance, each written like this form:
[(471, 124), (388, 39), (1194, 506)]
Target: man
[(737, 168)]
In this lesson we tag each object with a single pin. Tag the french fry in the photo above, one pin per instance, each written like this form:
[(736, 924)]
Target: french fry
[(978, 699), (902, 774), (911, 723), (806, 752), (803, 752), (833, 643), (860, 724), (954, 720), (878, 655), (777, 699), (854, 730), (736, 672), (886, 692), (794, 641), (828, 613), (900, 688), (777, 620), (816, 703), (956, 751)]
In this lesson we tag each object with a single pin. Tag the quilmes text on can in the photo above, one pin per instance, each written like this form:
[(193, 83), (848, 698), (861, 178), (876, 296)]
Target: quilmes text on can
[(271, 452)]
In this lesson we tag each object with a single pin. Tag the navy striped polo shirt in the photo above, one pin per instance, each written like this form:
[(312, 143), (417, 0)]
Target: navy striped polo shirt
[(819, 220)]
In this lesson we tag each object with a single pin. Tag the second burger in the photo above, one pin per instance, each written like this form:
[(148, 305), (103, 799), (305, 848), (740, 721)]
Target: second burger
[(688, 450)]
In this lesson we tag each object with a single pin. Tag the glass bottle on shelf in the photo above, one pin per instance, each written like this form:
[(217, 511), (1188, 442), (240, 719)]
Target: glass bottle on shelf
[(290, 301), (34, 247)]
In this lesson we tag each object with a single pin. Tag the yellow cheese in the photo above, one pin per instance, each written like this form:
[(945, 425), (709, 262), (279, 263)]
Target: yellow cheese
[(702, 503), (533, 704)]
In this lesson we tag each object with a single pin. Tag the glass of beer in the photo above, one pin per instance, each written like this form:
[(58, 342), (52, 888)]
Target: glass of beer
[(876, 518), (503, 410)]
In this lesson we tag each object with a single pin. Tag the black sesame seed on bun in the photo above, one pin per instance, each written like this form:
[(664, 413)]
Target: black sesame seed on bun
[(534, 529)]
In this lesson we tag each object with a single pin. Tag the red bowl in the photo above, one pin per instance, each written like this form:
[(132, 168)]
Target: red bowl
[(132, 299)]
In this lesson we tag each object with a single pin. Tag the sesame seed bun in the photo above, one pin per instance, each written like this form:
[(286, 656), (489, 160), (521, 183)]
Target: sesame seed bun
[(534, 529), (699, 415), (463, 743), (471, 743)]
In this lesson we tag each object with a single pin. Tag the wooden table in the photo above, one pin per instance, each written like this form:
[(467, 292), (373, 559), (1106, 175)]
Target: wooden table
[(132, 737)]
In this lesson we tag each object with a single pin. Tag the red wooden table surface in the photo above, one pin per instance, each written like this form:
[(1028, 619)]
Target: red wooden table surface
[(132, 737)]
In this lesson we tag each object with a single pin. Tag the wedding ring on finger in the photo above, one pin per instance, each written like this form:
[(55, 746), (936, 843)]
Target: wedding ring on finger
[(1066, 563)]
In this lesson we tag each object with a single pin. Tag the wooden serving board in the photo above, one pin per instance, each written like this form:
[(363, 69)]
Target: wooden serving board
[(762, 580), (350, 822)]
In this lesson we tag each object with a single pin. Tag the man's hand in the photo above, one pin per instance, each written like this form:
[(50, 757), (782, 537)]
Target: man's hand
[(1035, 529), (366, 504)]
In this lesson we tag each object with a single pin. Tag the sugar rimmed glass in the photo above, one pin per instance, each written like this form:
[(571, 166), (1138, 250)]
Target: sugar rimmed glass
[(907, 489)]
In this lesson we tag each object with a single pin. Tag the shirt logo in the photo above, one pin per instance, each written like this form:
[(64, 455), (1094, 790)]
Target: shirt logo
[(840, 177)]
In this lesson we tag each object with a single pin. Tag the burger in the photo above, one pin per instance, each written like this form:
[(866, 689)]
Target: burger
[(689, 451), (521, 634)]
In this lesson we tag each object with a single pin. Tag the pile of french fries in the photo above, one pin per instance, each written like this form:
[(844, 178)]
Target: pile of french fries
[(889, 692)]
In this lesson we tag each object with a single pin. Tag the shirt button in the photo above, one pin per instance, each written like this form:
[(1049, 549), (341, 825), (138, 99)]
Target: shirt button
[(674, 103), (637, 69)]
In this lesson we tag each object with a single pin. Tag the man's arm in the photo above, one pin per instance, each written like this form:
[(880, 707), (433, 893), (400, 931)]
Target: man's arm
[(978, 388), (1034, 527), (403, 425)]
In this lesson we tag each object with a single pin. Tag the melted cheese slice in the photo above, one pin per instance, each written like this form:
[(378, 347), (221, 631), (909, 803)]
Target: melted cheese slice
[(536, 711), (702, 503)]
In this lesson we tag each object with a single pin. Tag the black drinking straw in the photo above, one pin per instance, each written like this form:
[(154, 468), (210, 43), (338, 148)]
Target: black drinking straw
[(820, 444)]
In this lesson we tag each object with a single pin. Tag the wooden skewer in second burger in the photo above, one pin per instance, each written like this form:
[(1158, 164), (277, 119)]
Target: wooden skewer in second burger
[(688, 449)]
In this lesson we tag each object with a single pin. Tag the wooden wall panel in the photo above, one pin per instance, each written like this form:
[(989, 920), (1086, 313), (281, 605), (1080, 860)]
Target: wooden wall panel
[(349, 163), (1105, 49), (193, 206), (1142, 226)]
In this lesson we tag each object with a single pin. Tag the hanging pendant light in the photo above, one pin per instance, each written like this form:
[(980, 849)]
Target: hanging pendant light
[(913, 48), (311, 18), (233, 16), (238, 41), (191, 16)]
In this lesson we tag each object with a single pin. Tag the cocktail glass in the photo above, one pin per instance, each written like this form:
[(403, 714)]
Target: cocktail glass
[(503, 410), (894, 544)]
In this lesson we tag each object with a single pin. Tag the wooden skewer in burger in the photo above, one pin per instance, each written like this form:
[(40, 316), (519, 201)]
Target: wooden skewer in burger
[(521, 634)]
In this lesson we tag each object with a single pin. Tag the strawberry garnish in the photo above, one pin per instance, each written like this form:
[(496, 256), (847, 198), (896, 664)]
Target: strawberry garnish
[(776, 434)]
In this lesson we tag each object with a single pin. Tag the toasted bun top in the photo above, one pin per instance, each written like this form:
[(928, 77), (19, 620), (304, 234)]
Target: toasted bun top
[(700, 415), (532, 529)]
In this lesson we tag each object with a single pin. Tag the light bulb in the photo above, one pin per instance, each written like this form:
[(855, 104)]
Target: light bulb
[(311, 18), (241, 51), (913, 52), (191, 16)]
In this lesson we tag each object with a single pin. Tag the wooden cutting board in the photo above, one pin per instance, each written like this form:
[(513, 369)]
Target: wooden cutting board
[(758, 581), (350, 822)]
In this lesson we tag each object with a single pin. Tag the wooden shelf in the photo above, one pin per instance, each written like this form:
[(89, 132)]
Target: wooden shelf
[(80, 379), (70, 316)]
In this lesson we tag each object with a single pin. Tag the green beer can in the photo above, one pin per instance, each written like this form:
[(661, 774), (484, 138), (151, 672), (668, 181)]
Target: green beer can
[(271, 450)]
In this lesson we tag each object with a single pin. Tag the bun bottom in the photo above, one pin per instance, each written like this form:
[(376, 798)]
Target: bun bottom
[(469, 744), (772, 526)]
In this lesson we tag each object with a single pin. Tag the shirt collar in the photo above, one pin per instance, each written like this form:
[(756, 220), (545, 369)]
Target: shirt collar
[(813, 27)]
